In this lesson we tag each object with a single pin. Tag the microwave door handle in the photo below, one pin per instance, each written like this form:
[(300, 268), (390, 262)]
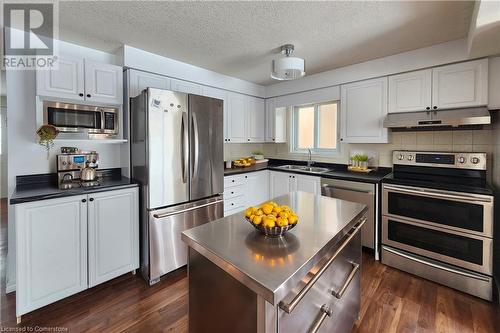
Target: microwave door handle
[(184, 147)]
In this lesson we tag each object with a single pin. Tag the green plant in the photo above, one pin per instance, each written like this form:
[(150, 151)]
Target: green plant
[(257, 152), (46, 135), (360, 157)]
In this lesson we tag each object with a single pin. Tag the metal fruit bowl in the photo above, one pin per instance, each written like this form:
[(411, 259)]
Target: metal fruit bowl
[(272, 232)]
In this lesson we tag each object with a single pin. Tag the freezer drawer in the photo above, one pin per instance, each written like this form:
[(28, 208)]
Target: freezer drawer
[(333, 303), (167, 252)]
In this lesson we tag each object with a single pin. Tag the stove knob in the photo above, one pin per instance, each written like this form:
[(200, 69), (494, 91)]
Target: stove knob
[(462, 160), (410, 157), (401, 157), (474, 160), (64, 163)]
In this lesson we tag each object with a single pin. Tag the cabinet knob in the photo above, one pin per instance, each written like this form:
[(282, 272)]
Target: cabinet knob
[(84, 200), (88, 95), (435, 107), (248, 139), (91, 199), (80, 94), (274, 139), (341, 139), (228, 139), (428, 108), (246, 176)]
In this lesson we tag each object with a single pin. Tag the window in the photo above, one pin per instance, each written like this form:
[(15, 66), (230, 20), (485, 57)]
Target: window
[(315, 127)]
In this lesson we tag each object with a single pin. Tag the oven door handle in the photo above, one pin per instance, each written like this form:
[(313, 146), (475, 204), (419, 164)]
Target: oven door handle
[(444, 268), (437, 194)]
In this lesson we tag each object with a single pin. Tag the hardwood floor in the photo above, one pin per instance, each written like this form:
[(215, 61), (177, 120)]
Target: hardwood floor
[(392, 301)]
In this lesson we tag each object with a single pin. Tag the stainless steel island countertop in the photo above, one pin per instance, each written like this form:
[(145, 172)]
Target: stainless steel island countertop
[(272, 266)]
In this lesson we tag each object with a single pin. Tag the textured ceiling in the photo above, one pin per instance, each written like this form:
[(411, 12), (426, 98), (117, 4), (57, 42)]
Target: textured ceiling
[(241, 38)]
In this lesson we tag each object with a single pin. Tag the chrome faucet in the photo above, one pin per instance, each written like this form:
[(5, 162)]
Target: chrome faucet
[(310, 161)]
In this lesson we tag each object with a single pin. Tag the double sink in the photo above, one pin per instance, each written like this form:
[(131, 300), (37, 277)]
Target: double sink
[(302, 168)]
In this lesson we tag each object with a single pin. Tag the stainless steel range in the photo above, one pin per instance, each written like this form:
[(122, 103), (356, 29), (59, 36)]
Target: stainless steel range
[(437, 219)]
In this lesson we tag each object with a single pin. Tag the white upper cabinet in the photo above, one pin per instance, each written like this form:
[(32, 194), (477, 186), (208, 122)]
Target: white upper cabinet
[(494, 83), (220, 94), (363, 109), (275, 122), (67, 81), (236, 118), (141, 80), (460, 85), (410, 92), (103, 83), (256, 120), (82, 80), (186, 87)]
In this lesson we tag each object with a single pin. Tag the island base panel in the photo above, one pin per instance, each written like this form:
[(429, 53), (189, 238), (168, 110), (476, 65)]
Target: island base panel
[(217, 301)]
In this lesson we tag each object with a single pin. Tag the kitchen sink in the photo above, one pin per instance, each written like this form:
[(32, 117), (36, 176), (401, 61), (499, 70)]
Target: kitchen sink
[(303, 168)]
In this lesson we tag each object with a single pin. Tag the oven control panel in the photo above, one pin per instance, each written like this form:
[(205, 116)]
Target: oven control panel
[(476, 161)]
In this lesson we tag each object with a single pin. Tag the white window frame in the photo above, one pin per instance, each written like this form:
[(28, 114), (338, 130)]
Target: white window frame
[(294, 132)]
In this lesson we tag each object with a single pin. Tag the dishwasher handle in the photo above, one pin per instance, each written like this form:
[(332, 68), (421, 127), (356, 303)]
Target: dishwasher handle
[(333, 187)]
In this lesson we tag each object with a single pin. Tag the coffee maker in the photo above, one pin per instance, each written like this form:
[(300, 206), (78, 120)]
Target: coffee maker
[(71, 166)]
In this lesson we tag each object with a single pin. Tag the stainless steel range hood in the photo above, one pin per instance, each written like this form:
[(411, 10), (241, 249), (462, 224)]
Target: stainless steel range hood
[(442, 118)]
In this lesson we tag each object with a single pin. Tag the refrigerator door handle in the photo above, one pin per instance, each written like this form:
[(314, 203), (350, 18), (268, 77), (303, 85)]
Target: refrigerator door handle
[(196, 145), (184, 148)]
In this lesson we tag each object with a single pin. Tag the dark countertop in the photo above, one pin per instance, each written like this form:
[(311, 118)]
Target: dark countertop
[(235, 246), (339, 171), (34, 189)]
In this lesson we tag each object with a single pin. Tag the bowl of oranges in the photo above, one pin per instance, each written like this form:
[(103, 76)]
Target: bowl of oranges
[(271, 219)]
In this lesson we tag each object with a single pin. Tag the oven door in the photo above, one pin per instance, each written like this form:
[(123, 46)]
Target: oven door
[(456, 248), (458, 211)]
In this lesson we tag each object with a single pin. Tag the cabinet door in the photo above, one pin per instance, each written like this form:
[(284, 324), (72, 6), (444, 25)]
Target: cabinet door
[(237, 117), (270, 119), (460, 85), (186, 87), (410, 91), (280, 118), (103, 83), (280, 183), (220, 94), (310, 184), (51, 244), (363, 109), (256, 188), (67, 81), (142, 80), (256, 120), (113, 219)]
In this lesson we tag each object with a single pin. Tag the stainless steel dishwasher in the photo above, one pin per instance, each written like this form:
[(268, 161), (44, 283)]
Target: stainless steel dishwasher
[(364, 193)]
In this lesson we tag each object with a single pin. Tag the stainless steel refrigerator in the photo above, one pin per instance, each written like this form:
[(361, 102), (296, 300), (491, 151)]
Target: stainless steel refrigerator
[(177, 157)]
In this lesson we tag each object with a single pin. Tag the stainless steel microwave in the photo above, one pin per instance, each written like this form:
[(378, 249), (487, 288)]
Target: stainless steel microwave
[(77, 118)]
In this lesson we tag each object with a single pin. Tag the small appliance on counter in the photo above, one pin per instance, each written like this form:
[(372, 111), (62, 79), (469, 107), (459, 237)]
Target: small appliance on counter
[(77, 169)]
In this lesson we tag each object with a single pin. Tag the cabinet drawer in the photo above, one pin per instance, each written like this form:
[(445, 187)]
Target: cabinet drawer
[(324, 297), (234, 203), (234, 181), (233, 191)]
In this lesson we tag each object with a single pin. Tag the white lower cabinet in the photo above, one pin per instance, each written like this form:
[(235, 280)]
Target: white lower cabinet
[(244, 190), (282, 183), (69, 244), (113, 229)]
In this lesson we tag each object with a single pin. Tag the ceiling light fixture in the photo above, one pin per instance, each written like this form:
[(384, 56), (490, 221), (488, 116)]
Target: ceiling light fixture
[(287, 67)]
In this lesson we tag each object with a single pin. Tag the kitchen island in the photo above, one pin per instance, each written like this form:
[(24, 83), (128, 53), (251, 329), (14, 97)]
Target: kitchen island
[(307, 280)]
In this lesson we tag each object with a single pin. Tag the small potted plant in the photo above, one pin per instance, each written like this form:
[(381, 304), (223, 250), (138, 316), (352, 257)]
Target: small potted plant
[(363, 161), (258, 155), (46, 135)]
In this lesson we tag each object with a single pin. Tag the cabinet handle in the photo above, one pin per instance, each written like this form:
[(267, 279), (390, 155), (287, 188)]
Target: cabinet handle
[(80, 94), (88, 95), (340, 293), (288, 307), (325, 312), (428, 108), (248, 139), (341, 139), (246, 176), (84, 200), (228, 139), (435, 107), (91, 199)]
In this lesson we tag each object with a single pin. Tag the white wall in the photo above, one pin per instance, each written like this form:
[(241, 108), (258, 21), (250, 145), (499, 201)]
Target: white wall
[(435, 55), (139, 59), (3, 157)]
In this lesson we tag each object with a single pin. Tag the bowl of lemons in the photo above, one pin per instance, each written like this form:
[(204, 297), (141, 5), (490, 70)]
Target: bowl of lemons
[(271, 219)]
